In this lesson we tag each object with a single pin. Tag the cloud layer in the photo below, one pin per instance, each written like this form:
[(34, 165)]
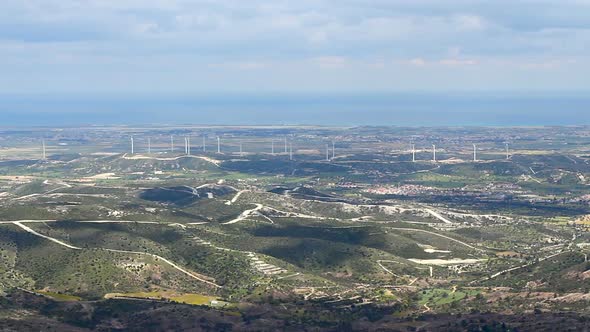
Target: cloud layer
[(328, 45)]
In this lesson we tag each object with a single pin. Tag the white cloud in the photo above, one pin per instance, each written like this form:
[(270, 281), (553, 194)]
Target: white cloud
[(419, 62), (330, 62), (469, 22), (547, 64), (458, 62), (317, 37), (158, 37)]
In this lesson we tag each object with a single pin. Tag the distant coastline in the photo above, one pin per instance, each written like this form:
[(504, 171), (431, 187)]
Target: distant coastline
[(396, 109)]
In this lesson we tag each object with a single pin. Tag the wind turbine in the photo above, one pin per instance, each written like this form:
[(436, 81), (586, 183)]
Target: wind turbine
[(272, 147), (285, 144), (171, 143), (474, 152), (188, 145), (333, 150), (44, 150), (433, 152), (218, 144), (149, 145), (290, 151), (204, 143), (132, 146), (413, 153), (327, 152), (507, 152)]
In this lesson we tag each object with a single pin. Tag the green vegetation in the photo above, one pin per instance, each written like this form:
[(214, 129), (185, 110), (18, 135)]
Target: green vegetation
[(438, 296), (195, 299), (59, 296), (367, 235)]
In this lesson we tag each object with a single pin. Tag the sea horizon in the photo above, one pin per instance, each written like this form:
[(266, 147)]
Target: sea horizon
[(498, 109)]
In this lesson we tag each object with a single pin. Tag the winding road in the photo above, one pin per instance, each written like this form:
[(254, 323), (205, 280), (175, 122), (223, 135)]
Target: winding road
[(235, 198), (433, 233), (140, 157), (172, 264), (244, 215)]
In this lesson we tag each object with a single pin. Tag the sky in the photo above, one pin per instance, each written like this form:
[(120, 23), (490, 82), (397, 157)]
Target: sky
[(167, 48), (191, 46)]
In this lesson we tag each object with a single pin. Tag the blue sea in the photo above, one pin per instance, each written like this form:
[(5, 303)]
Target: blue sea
[(382, 109)]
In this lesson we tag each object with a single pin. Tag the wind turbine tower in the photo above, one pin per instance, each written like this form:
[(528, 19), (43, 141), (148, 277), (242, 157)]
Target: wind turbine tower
[(333, 150), (185, 145), (218, 144), (44, 150), (132, 146), (434, 152), (241, 149), (272, 147), (204, 143), (171, 143), (413, 153), (188, 145), (285, 144), (507, 152), (149, 145), (327, 152), (474, 152), (290, 151)]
